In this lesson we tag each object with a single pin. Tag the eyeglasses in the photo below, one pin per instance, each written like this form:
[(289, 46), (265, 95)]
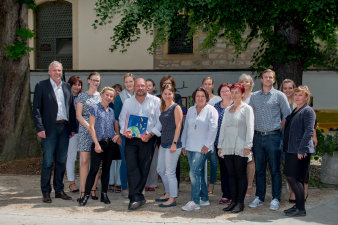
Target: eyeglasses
[(96, 81), (303, 87)]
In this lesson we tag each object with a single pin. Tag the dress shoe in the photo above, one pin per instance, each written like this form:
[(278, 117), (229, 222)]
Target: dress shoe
[(169, 205), (230, 207), (104, 198), (238, 208), (134, 205), (46, 198), (83, 200), (63, 196), (296, 212), (293, 208)]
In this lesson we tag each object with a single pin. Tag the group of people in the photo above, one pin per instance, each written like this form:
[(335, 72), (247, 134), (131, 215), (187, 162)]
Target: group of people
[(239, 129)]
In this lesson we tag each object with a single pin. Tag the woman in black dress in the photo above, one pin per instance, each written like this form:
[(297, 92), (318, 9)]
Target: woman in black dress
[(298, 147)]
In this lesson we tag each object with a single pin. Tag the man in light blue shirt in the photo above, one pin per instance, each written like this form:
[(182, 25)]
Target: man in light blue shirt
[(270, 108)]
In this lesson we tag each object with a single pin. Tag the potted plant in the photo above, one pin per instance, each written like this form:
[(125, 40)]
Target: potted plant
[(327, 148)]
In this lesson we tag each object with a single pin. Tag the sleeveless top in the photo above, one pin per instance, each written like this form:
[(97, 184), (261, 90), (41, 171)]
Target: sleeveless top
[(167, 119)]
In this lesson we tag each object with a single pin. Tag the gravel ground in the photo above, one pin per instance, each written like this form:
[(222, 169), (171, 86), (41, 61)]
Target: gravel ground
[(20, 195)]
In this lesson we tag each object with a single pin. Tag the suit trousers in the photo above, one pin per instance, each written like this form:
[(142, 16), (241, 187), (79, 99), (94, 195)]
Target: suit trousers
[(139, 156), (55, 146)]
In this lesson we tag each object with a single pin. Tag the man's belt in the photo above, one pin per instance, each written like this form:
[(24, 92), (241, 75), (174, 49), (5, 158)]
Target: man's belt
[(264, 133), (61, 121)]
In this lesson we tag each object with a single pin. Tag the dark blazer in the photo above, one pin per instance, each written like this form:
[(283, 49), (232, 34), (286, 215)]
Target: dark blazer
[(45, 106), (301, 131)]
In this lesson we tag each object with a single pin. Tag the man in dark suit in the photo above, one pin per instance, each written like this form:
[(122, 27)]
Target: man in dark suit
[(54, 118)]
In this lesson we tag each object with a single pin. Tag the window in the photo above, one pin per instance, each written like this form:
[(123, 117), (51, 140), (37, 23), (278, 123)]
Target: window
[(180, 44)]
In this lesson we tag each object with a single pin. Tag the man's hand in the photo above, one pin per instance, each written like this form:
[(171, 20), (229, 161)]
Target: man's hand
[(219, 153), (146, 138), (184, 152), (128, 134), (204, 150), (42, 134), (246, 151)]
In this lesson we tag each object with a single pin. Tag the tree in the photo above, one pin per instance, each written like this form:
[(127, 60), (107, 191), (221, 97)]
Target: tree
[(293, 34), (17, 133)]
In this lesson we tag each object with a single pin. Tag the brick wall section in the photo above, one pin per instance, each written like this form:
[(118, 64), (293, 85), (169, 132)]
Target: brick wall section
[(222, 56)]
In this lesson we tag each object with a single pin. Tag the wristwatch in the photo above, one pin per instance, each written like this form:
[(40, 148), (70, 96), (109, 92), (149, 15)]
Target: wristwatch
[(175, 142)]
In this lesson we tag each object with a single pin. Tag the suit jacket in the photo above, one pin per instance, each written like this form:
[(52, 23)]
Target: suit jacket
[(45, 106), (301, 131)]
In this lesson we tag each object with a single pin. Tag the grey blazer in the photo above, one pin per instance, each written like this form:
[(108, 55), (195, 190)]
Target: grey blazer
[(45, 107), (301, 131)]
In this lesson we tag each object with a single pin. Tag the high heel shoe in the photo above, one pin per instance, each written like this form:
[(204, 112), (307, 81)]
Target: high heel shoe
[(83, 200), (81, 196), (230, 207), (94, 197), (104, 198)]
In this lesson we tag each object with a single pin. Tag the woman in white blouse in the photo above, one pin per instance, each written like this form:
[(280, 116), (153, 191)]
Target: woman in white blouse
[(198, 138), (234, 144)]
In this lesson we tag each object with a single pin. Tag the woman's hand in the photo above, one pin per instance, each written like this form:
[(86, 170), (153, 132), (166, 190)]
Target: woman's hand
[(115, 138), (98, 148), (204, 150), (219, 153), (300, 156), (173, 148), (246, 151), (184, 152)]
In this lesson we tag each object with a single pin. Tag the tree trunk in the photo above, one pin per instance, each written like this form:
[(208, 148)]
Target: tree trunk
[(17, 133), (291, 32)]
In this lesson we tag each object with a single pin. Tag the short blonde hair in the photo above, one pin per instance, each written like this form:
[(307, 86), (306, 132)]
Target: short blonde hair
[(107, 89), (128, 75), (245, 76), (287, 81), (270, 71), (305, 89)]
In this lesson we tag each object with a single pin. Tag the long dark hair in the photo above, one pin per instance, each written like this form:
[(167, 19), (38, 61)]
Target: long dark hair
[(170, 88)]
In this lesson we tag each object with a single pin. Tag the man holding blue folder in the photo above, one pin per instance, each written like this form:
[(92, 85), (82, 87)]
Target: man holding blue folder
[(139, 150)]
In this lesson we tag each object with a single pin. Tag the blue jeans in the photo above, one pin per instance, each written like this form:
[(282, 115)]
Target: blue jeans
[(267, 149), (123, 167), (55, 146), (198, 185), (213, 165)]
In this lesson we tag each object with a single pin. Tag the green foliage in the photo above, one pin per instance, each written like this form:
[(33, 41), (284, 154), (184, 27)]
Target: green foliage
[(19, 47), (287, 30), (30, 3), (327, 143)]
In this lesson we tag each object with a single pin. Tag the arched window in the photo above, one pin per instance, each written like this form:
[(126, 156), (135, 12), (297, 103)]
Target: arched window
[(54, 34)]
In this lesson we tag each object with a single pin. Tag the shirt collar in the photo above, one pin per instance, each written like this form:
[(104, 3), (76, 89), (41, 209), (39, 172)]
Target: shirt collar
[(54, 84), (269, 93), (101, 107)]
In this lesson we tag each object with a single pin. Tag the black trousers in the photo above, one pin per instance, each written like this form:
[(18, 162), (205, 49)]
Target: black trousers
[(238, 183), (224, 178), (95, 159), (138, 155)]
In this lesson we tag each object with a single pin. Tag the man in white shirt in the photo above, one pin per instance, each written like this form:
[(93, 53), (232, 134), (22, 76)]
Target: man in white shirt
[(54, 118), (139, 151)]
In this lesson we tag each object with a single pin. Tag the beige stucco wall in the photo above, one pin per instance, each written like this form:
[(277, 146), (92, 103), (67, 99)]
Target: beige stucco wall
[(91, 47)]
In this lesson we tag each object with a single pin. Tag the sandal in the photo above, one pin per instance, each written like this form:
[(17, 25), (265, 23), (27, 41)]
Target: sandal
[(118, 188), (111, 188), (94, 197), (73, 188), (211, 189)]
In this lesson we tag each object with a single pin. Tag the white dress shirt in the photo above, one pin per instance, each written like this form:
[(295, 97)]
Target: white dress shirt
[(237, 130), (200, 130), (60, 98), (150, 108)]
